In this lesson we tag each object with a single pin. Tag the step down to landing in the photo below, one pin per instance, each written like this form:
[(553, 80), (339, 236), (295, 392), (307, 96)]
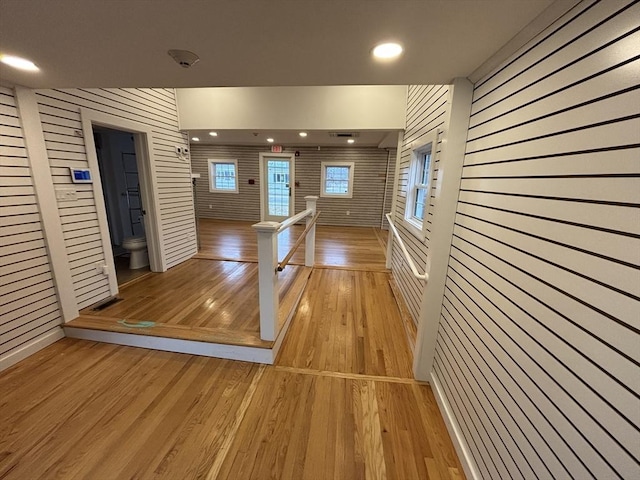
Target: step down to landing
[(195, 340)]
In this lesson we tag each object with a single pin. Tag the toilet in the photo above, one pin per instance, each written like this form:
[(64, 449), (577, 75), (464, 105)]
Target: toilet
[(137, 247)]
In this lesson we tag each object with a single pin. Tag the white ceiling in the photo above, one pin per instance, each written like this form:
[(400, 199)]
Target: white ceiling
[(124, 43), (290, 138)]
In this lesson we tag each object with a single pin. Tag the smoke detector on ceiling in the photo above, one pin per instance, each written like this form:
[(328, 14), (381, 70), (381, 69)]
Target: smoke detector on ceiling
[(184, 58)]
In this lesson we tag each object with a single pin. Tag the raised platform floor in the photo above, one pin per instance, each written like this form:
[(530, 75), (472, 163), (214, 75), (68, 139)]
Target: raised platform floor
[(213, 303), (209, 304)]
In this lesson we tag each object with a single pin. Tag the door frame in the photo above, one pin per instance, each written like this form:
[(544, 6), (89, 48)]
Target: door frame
[(263, 181), (142, 136)]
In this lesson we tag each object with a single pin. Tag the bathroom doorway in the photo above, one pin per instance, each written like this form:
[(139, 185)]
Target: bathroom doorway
[(121, 187)]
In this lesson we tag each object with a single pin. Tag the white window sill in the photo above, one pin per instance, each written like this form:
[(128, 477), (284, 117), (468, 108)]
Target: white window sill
[(222, 191), (415, 230), (336, 195)]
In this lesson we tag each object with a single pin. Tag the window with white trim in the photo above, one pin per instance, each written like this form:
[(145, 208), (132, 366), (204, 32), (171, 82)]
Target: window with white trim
[(419, 186), (223, 176), (337, 179)]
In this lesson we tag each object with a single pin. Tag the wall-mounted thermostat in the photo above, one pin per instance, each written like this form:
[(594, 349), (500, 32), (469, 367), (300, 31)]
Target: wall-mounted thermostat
[(80, 175)]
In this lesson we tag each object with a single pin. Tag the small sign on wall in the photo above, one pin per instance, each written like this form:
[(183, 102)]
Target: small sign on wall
[(81, 175), (276, 148)]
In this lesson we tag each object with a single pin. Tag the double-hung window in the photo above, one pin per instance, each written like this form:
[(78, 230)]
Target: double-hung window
[(337, 179), (223, 176), (419, 187)]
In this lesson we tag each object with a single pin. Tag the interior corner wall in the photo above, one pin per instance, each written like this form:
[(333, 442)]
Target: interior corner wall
[(365, 207), (427, 110), (30, 314), (537, 352), (61, 122)]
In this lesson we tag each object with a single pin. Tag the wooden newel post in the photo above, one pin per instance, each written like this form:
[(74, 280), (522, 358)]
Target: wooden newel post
[(310, 241), (268, 278)]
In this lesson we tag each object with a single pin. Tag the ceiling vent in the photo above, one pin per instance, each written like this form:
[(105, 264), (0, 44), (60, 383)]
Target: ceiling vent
[(344, 134)]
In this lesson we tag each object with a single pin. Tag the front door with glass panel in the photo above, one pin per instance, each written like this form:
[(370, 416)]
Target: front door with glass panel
[(277, 181)]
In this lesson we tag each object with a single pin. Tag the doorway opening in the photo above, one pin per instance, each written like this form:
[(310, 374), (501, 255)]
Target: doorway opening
[(277, 194), (121, 185)]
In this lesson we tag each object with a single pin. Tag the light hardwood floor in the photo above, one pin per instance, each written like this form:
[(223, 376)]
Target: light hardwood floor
[(355, 248), (83, 410), (348, 321), (339, 403), (203, 300)]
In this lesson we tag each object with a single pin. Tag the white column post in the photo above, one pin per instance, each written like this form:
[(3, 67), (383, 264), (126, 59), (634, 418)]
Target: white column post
[(394, 200), (449, 175), (310, 241), (389, 247), (268, 278), (46, 197)]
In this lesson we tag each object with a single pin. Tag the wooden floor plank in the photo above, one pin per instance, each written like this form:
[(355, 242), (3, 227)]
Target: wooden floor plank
[(359, 248), (200, 300), (348, 321), (123, 412)]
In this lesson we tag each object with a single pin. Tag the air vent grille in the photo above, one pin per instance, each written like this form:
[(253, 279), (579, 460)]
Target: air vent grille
[(344, 134)]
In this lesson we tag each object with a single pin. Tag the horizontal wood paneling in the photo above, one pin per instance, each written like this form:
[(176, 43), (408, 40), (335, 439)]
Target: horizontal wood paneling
[(537, 350), (61, 123), (426, 111), (365, 207), (29, 308)]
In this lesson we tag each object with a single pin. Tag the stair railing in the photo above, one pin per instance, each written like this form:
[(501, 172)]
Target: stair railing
[(268, 266)]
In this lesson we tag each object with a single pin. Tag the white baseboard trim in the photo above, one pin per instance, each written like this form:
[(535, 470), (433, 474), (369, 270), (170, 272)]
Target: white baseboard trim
[(231, 352), (30, 348), (466, 459)]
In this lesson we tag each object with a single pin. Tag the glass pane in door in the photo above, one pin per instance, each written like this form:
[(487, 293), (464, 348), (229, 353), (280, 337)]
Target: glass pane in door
[(278, 188)]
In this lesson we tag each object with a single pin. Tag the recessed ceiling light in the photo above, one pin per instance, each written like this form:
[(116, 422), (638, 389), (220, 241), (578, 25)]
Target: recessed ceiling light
[(351, 140), (19, 63), (303, 134), (195, 139), (213, 134), (387, 51), (270, 140)]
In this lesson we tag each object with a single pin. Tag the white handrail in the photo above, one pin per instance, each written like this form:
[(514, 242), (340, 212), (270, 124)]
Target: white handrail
[(295, 219), (268, 282), (412, 265)]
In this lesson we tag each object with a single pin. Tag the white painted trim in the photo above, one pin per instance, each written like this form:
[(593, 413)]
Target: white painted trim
[(29, 348), (146, 171), (231, 352), (323, 178), (462, 449), (394, 199), (263, 184), (447, 191), (268, 296), (27, 104), (416, 227)]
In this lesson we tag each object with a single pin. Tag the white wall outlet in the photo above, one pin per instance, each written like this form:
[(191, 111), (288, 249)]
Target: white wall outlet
[(348, 213), (210, 207)]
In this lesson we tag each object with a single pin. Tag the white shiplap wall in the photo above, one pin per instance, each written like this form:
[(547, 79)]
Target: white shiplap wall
[(61, 123), (538, 351), (368, 195), (29, 308), (427, 110)]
